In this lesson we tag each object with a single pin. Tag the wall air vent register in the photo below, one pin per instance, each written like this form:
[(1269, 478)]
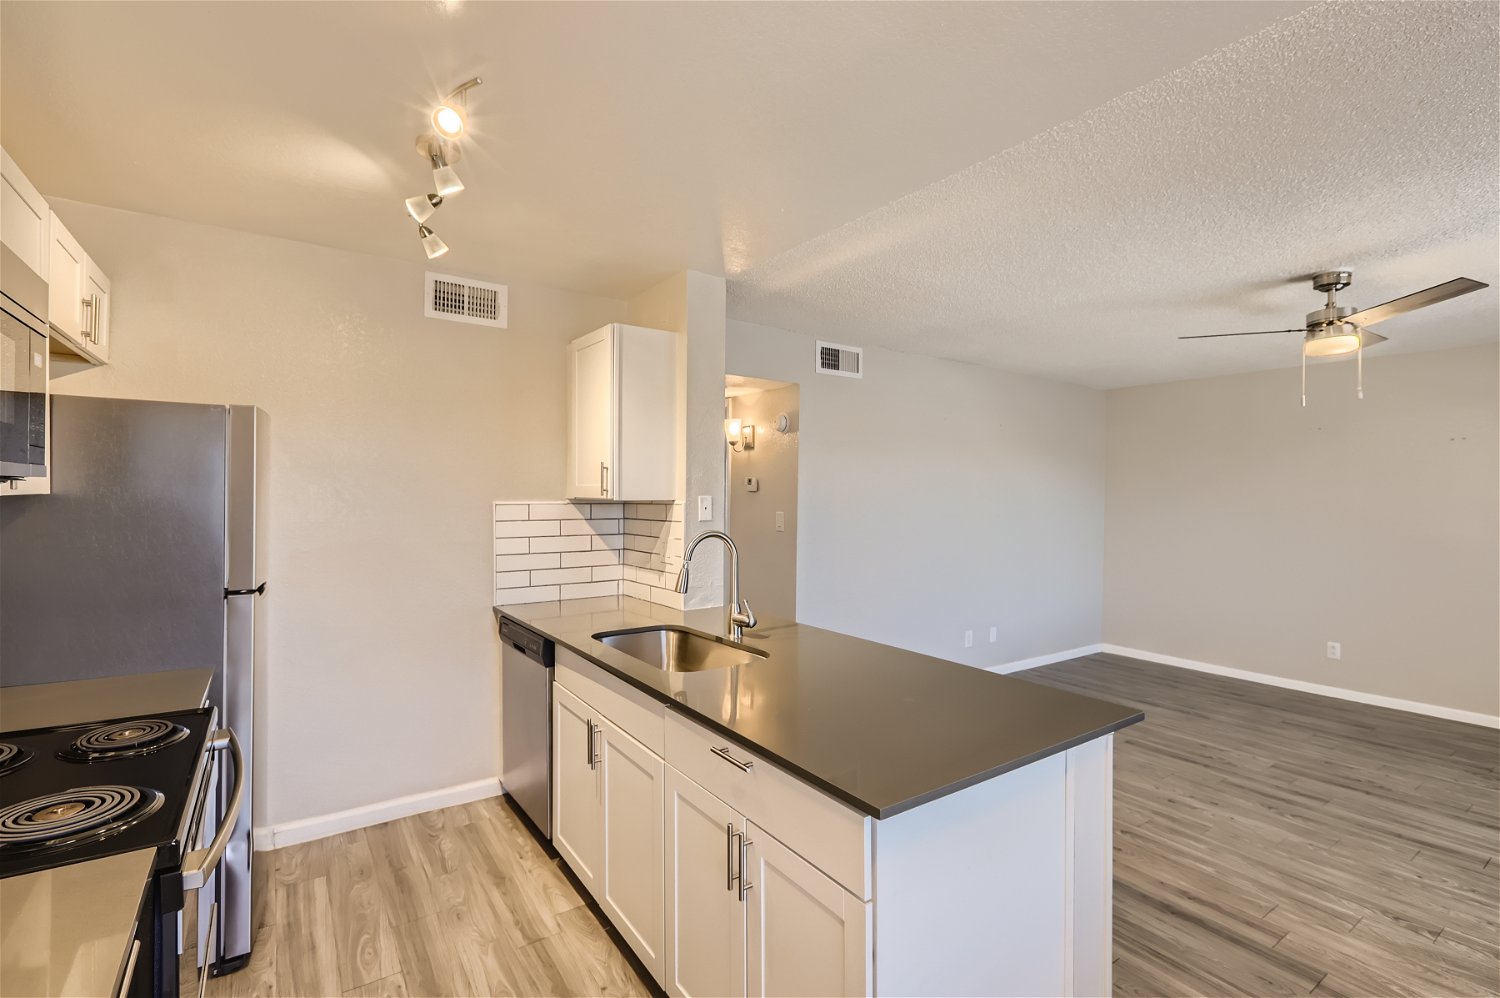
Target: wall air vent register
[(463, 299), (846, 362)]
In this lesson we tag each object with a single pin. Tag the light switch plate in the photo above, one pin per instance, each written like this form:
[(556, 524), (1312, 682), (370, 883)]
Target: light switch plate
[(705, 508), (780, 521)]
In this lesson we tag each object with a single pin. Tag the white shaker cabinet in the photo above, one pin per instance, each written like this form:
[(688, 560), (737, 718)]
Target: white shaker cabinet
[(805, 935), (77, 298), (622, 414), (96, 293), (25, 219), (578, 788), (607, 820), (705, 945)]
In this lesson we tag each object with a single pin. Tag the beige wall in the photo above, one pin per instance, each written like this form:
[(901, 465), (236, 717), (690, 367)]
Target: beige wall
[(936, 497), (768, 574), (1245, 531), (390, 436)]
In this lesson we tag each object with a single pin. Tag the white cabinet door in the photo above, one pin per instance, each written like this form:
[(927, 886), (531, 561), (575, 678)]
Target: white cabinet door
[(806, 935), (634, 781), (592, 411), (577, 788), (65, 284), (25, 218), (96, 313), (705, 945)]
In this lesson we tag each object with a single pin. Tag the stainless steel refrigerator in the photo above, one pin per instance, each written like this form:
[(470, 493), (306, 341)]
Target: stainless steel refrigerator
[(145, 557)]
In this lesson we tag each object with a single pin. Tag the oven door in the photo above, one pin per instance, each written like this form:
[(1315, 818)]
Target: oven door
[(212, 827), (23, 394)]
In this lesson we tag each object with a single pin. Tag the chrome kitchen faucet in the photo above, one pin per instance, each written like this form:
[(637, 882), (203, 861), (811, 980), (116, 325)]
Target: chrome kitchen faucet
[(740, 614)]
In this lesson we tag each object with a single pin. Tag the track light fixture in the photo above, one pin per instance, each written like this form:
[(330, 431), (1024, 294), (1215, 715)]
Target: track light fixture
[(431, 243), (440, 148), (421, 208)]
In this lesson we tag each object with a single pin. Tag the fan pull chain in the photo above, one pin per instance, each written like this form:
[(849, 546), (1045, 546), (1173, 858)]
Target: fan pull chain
[(1304, 379), (1359, 366)]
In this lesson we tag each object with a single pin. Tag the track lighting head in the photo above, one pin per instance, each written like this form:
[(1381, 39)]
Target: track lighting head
[(444, 178), (433, 245), (450, 118), (421, 208)]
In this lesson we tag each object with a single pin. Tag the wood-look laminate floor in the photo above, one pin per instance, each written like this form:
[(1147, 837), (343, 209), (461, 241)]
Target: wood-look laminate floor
[(462, 901), (1267, 842)]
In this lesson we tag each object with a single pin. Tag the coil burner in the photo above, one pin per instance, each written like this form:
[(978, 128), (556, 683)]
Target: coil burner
[(12, 757), (66, 819), (122, 740)]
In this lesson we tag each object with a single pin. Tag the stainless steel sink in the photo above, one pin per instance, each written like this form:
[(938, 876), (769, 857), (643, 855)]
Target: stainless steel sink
[(677, 649)]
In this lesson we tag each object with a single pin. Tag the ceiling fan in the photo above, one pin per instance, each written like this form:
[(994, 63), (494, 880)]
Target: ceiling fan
[(1338, 329)]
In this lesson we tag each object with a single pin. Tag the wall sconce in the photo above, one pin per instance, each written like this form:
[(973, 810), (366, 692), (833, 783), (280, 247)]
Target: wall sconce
[(739, 434)]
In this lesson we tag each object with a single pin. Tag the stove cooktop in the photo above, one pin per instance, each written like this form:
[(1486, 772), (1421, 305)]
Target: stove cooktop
[(84, 791)]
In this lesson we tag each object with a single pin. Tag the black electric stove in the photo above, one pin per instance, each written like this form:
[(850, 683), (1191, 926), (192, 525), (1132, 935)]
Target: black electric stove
[(84, 791)]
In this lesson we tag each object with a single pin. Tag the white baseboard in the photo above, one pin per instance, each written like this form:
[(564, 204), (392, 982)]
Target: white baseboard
[(324, 825), (1358, 696), (1039, 660)]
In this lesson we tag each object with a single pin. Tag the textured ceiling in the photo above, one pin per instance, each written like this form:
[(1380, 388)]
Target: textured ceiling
[(1358, 135), (614, 143)]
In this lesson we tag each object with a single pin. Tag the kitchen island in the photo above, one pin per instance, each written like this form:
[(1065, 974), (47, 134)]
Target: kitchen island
[(903, 824)]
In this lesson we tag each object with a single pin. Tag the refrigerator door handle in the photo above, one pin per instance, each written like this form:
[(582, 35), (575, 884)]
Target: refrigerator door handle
[(259, 590)]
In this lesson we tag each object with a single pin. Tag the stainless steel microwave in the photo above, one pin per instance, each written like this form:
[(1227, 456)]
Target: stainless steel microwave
[(23, 370)]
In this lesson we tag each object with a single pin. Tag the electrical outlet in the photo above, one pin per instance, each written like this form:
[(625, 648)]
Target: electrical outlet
[(968, 639), (1335, 650), (705, 508), (780, 521), (994, 633)]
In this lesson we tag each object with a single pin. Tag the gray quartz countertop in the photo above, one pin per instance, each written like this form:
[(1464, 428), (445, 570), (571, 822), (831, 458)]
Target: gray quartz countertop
[(882, 729), (68, 931), (48, 705)]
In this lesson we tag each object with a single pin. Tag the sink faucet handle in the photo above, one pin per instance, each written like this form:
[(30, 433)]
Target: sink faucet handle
[(743, 615)]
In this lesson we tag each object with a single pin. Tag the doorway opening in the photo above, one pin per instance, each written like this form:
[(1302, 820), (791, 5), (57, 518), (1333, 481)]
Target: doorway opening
[(760, 468)]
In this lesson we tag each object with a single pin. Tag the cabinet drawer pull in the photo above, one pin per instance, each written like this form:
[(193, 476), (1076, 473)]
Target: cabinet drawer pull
[(723, 753)]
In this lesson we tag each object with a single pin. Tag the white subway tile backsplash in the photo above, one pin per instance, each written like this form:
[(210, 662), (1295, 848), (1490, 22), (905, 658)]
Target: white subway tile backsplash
[(561, 544), (573, 559), (559, 511), (520, 562), (526, 528), (558, 575), (585, 590), (563, 550)]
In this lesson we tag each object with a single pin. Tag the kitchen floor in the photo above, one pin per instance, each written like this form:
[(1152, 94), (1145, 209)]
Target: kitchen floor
[(461, 901), (1267, 842)]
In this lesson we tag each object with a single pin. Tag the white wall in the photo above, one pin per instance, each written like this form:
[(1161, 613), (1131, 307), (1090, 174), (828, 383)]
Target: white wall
[(768, 573), (1245, 531), (937, 497), (391, 435)]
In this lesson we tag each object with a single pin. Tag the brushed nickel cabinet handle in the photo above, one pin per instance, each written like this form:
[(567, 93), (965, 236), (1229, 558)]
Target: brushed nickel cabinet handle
[(729, 837), (745, 885), (723, 753), (86, 328), (590, 725)]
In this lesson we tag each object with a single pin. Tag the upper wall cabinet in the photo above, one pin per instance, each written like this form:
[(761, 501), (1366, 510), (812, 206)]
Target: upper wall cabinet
[(24, 217), (77, 298), (622, 415)]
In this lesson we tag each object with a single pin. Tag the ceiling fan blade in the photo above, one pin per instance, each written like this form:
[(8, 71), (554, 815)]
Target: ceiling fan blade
[(1419, 299), (1263, 332)]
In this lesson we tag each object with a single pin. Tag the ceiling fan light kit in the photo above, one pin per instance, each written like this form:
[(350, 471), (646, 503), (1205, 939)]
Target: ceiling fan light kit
[(1337, 330)]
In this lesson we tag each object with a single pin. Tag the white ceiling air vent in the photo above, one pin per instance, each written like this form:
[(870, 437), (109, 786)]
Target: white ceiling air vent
[(846, 362), (462, 299)]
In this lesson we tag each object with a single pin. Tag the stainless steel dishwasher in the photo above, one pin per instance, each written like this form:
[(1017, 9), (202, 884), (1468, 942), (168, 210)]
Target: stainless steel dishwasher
[(526, 662)]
